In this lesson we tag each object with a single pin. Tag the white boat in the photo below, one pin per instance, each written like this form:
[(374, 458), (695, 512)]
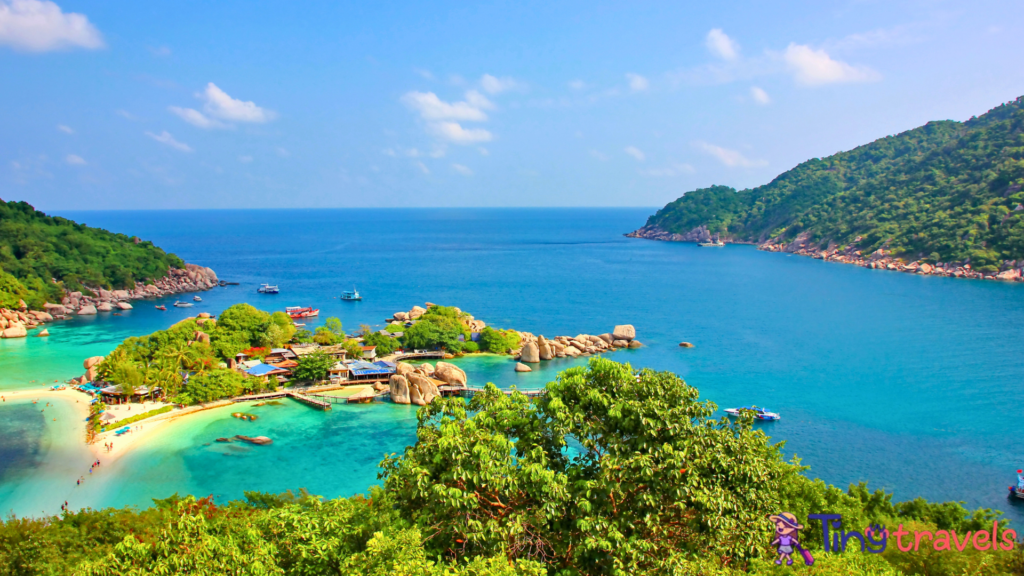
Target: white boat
[(711, 244), (762, 414), (351, 294), (267, 289), (197, 298), (183, 304)]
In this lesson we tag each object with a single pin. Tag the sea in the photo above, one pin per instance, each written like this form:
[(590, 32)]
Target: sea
[(906, 382)]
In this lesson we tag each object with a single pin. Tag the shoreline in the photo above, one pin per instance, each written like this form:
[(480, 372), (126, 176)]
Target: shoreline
[(877, 260)]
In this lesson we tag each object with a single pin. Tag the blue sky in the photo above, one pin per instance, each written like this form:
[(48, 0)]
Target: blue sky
[(184, 104)]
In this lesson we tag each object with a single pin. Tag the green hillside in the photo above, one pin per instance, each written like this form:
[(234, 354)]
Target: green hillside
[(947, 191), (36, 249)]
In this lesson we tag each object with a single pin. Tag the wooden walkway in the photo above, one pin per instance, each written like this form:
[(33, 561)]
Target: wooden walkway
[(311, 401), (417, 355), (470, 391)]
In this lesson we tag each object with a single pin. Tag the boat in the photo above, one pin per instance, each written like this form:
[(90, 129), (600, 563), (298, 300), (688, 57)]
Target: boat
[(296, 312), (182, 304), (267, 289), (197, 298), (351, 294), (714, 243), (1018, 490), (161, 307), (762, 414)]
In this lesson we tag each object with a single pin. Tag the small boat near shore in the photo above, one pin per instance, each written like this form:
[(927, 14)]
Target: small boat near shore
[(351, 295), (1018, 490), (182, 304), (267, 289), (297, 312), (162, 307), (763, 414), (197, 298), (711, 244)]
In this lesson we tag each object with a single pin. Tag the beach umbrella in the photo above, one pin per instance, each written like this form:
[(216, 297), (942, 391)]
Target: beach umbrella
[(108, 416)]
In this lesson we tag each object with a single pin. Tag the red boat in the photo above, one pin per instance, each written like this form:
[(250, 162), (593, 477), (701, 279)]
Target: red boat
[(297, 312), (164, 308)]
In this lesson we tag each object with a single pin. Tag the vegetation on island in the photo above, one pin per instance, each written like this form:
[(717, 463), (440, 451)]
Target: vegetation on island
[(41, 256), (613, 472), (944, 192)]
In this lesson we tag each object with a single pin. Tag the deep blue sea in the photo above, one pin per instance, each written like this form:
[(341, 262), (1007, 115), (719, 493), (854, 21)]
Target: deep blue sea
[(907, 382)]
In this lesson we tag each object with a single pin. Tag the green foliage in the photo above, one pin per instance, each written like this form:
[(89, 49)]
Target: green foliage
[(302, 336), (385, 344), (947, 191), (470, 347), (313, 367), (325, 337), (498, 341), (216, 384), (353, 348), (334, 325), (435, 331), (36, 248), (395, 328)]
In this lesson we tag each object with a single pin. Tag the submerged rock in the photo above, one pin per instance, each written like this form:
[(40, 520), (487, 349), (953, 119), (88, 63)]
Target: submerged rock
[(685, 345), (259, 440), (520, 367)]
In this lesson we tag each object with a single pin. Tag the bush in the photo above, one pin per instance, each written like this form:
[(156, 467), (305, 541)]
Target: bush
[(314, 367), (498, 341), (385, 344), (470, 347), (435, 332), (215, 385)]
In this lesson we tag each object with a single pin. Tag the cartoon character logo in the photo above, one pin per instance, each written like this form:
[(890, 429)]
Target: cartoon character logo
[(787, 531)]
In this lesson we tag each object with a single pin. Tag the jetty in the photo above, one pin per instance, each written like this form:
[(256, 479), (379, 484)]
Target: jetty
[(470, 391), (312, 400), (417, 355)]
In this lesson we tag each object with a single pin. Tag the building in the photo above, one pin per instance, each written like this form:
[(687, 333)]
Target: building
[(369, 352), (115, 394), (362, 371), (336, 351)]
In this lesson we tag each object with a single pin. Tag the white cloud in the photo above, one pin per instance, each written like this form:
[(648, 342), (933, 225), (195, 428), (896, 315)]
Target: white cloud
[(65, 129), (635, 153), (814, 67), (760, 96), (220, 105), (493, 85), (423, 167), (577, 84), (430, 107), (721, 45), (637, 83), (245, 159), (731, 158), (75, 160), (478, 100), (464, 170), (196, 118), (41, 26), (166, 138), (454, 132), (599, 155), (670, 171)]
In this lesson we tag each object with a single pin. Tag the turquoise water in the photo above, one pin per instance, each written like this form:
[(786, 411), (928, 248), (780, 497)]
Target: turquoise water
[(906, 381)]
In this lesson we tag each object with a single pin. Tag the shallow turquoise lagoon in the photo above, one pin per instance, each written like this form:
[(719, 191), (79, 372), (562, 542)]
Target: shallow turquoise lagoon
[(908, 382)]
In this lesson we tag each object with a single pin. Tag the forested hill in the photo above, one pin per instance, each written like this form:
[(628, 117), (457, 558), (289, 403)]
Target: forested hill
[(36, 249), (947, 191)]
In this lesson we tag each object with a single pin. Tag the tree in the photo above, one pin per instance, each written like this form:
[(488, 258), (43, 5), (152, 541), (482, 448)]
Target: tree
[(334, 325), (434, 332), (498, 341), (325, 337), (314, 367), (385, 344), (214, 385)]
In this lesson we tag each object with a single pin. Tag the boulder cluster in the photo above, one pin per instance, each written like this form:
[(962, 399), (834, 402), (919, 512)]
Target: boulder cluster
[(881, 259), (538, 348), (414, 314), (419, 384), (17, 323)]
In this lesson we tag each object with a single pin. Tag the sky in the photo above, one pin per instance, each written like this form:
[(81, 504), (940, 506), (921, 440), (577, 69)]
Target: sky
[(182, 105)]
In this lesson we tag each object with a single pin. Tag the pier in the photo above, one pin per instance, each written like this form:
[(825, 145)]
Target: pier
[(470, 391), (417, 355), (317, 401)]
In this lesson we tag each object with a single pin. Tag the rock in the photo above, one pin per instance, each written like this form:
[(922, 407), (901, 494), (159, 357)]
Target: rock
[(425, 369), (685, 345), (635, 344), (42, 316), (92, 361), (86, 310), (224, 440), (926, 268), (55, 309), (425, 387), (401, 316), (405, 368), (624, 332), (578, 345), (416, 312), (572, 351), (1008, 274), (379, 386), (259, 440), (104, 307), (15, 331), (90, 374), (450, 373), (607, 338), (201, 337), (44, 332), (22, 306), (531, 353), (620, 343), (544, 349), (399, 388), (520, 367)]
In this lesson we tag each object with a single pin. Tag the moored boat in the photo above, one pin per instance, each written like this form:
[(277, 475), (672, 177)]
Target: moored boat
[(1018, 490), (763, 414), (197, 298), (182, 304), (711, 244), (161, 307), (352, 294), (267, 289), (296, 312)]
